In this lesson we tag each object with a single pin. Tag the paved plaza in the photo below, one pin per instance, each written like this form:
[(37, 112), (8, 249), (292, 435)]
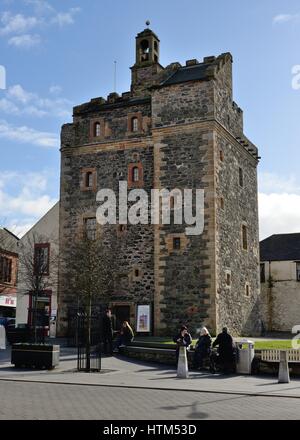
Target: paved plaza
[(127, 389)]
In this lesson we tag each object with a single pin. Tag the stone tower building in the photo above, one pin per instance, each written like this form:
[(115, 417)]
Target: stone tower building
[(178, 127)]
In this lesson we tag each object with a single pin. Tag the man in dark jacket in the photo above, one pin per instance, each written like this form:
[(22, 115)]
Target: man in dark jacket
[(224, 342), (107, 332), (182, 339)]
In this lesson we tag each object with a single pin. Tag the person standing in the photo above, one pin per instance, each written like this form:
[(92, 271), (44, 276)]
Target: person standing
[(225, 344), (182, 339), (107, 332)]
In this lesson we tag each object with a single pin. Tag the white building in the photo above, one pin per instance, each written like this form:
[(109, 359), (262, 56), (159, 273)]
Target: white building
[(40, 243), (280, 281)]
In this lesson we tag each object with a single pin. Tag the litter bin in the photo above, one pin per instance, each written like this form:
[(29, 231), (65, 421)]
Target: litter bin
[(245, 356)]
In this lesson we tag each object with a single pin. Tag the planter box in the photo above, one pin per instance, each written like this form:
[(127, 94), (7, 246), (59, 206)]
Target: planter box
[(35, 355)]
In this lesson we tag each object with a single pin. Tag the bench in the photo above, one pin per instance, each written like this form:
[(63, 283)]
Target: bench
[(274, 356)]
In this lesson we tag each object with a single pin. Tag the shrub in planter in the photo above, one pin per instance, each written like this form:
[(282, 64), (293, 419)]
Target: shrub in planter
[(35, 355)]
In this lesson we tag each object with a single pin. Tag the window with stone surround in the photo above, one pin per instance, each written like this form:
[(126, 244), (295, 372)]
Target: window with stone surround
[(88, 179), (97, 128), (135, 175), (5, 269), (134, 123), (244, 237)]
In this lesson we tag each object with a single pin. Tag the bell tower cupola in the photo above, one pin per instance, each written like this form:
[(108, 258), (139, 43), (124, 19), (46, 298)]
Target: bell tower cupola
[(147, 48), (147, 69)]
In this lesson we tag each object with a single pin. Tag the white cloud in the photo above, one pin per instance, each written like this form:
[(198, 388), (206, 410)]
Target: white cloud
[(25, 41), (17, 24), (65, 18), (279, 204), (20, 94), (55, 90), (279, 214), (18, 101), (285, 18), (18, 27), (24, 134), (24, 199)]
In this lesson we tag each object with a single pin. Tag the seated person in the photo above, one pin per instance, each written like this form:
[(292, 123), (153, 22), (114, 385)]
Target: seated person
[(202, 348), (125, 337), (183, 338)]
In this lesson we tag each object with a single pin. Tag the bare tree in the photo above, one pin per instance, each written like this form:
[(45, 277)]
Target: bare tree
[(38, 266), (90, 267)]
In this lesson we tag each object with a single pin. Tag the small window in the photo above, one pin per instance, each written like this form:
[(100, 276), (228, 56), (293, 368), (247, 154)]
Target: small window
[(89, 179), (228, 279), (97, 129), (134, 124), (263, 273), (222, 203), (90, 226), (135, 174), (221, 156), (247, 290), (298, 271), (241, 177), (244, 237), (136, 273), (176, 243)]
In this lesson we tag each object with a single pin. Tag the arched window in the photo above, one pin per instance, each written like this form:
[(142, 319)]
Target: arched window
[(145, 50), (97, 129), (134, 124), (135, 174)]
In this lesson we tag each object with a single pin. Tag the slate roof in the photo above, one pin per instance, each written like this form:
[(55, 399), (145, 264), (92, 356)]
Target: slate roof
[(280, 247), (189, 73)]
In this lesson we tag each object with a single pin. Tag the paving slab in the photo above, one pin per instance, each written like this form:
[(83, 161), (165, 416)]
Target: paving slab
[(119, 371)]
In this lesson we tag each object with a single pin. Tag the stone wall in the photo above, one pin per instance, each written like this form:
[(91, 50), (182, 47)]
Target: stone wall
[(234, 308)]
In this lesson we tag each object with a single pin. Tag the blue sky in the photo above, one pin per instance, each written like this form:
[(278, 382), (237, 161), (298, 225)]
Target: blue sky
[(61, 53)]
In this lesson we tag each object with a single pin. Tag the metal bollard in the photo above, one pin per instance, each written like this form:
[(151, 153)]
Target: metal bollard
[(284, 374), (182, 367)]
